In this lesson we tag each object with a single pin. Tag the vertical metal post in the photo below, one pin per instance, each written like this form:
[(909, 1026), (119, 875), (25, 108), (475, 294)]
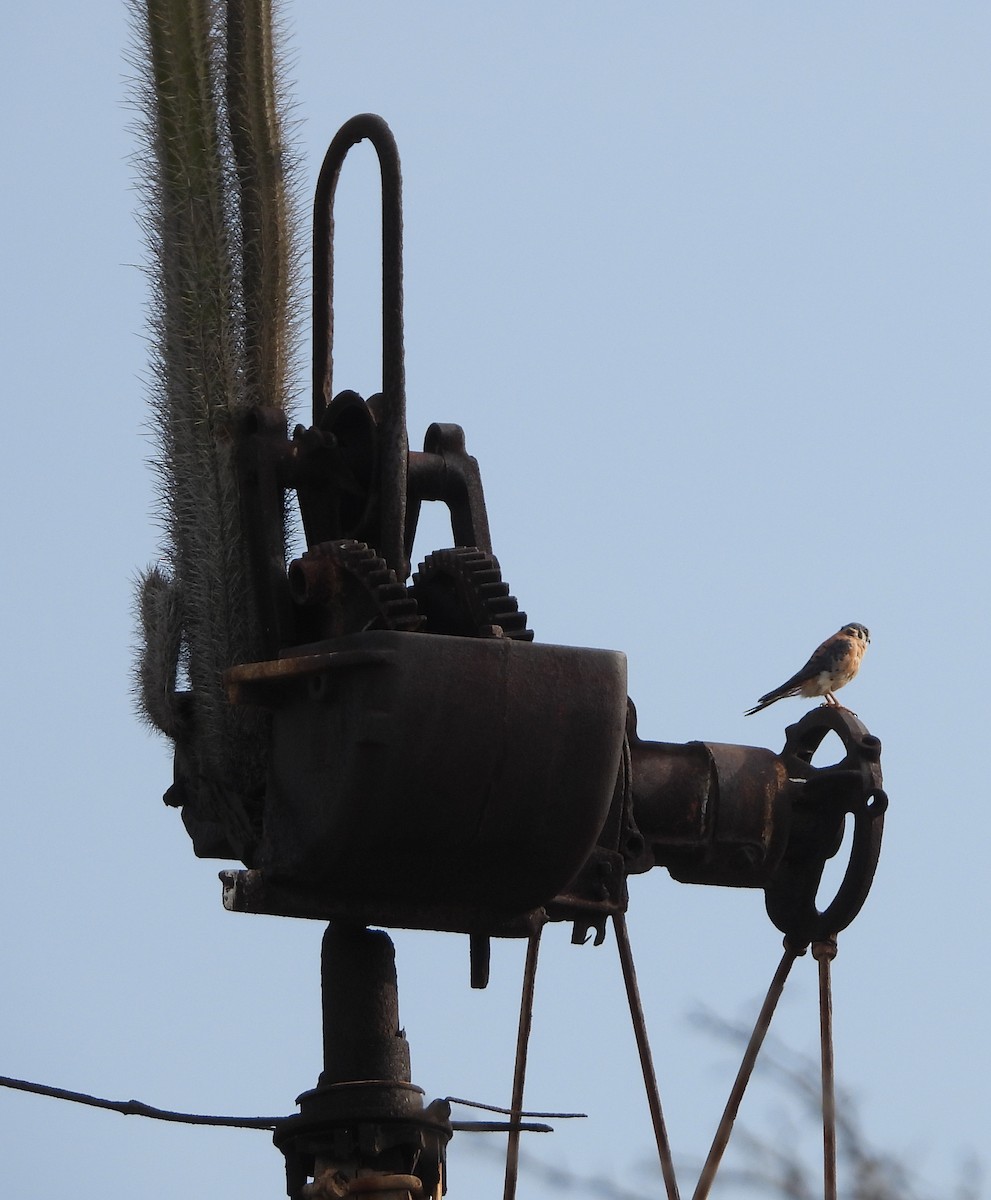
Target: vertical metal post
[(364, 1126), (824, 952), (362, 1039)]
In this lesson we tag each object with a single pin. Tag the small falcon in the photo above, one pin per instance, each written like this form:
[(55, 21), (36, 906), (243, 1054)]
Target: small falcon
[(834, 664)]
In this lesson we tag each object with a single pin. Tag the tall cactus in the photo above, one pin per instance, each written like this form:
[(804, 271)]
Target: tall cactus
[(219, 230)]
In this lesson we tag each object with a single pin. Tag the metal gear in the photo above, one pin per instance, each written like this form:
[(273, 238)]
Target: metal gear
[(342, 586), (460, 591)]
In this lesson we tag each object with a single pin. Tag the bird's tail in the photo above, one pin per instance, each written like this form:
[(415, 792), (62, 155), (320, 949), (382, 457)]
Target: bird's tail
[(769, 699)]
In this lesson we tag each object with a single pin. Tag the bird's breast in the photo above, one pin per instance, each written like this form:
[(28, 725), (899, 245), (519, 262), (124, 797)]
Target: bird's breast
[(819, 684)]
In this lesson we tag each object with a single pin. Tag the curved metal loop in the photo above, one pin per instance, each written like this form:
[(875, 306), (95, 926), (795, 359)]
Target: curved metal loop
[(387, 409), (375, 129), (850, 787)]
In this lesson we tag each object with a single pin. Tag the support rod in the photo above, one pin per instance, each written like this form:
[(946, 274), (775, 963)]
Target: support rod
[(721, 1140), (824, 952), (646, 1058), (519, 1072)]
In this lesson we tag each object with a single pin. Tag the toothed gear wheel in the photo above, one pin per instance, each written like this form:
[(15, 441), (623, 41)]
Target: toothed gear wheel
[(461, 592), (343, 587)]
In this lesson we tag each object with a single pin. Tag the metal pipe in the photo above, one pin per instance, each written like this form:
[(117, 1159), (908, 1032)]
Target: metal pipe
[(362, 1039)]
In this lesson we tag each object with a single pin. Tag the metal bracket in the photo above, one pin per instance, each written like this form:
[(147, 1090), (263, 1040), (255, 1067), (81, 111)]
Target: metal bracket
[(825, 797)]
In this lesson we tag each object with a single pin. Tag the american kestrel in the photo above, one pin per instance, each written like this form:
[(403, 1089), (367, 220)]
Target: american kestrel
[(835, 663)]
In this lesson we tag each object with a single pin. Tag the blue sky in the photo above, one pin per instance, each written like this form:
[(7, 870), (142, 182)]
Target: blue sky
[(707, 287)]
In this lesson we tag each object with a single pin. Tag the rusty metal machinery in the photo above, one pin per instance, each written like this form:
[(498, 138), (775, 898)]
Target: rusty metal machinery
[(364, 1109), (432, 766)]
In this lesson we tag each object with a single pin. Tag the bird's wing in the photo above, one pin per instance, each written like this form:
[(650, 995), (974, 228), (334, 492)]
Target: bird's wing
[(826, 658)]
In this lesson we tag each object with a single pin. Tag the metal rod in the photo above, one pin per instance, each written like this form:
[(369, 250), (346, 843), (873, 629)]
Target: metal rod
[(494, 1108), (824, 952), (646, 1058), (135, 1108), (519, 1072), (721, 1140)]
